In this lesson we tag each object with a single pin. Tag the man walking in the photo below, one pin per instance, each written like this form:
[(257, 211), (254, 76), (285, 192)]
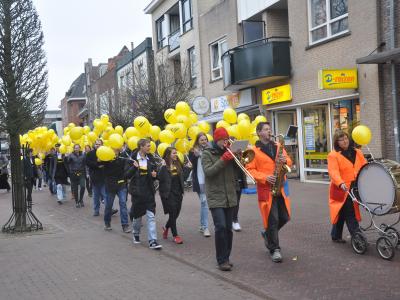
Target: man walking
[(76, 162)]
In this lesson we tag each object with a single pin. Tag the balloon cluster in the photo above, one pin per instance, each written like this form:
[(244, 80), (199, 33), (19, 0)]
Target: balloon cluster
[(181, 131)]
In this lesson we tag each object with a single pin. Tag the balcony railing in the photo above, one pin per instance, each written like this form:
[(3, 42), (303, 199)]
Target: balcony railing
[(256, 62), (173, 40)]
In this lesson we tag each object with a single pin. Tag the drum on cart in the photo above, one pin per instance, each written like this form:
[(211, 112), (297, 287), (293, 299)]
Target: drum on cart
[(378, 185)]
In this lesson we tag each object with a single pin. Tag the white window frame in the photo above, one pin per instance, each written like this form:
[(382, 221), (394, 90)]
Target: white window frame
[(161, 24), (327, 24), (219, 67), (192, 67)]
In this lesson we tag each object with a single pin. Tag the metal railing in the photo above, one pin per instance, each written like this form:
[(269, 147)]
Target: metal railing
[(173, 40)]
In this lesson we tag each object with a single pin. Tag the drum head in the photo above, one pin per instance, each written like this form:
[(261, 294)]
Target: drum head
[(376, 188)]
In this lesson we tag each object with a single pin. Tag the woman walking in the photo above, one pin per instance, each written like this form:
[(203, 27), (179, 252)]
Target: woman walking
[(171, 191), (198, 179)]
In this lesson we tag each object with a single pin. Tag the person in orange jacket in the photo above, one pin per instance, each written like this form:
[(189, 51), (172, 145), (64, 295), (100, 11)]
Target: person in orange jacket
[(275, 211), (344, 163)]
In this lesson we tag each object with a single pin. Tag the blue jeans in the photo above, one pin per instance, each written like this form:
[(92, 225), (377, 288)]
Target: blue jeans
[(99, 190), (123, 212), (203, 211), (222, 218), (151, 226)]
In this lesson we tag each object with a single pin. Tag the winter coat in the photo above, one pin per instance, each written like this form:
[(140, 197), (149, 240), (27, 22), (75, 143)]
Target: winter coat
[(76, 163), (96, 170), (220, 178), (115, 174), (341, 170)]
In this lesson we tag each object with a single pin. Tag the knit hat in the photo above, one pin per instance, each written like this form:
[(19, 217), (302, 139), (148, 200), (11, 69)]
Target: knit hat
[(220, 134)]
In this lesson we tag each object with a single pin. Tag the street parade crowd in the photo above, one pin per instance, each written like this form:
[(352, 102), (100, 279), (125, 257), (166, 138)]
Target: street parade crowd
[(132, 169)]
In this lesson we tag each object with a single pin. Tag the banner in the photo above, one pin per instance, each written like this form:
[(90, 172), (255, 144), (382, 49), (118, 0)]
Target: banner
[(338, 79)]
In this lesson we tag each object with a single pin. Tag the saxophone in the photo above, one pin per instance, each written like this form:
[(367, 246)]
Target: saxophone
[(280, 170)]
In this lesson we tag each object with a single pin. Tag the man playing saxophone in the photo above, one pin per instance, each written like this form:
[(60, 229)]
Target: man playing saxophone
[(268, 168)]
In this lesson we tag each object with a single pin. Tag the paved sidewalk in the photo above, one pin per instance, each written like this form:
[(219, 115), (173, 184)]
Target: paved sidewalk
[(75, 258)]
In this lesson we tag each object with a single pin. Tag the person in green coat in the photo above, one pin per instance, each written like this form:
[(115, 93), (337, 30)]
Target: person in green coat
[(220, 181)]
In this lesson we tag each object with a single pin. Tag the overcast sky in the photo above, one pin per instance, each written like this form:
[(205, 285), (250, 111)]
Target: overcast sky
[(75, 30)]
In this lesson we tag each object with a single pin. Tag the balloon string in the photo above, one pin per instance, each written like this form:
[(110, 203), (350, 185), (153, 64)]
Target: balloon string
[(369, 150)]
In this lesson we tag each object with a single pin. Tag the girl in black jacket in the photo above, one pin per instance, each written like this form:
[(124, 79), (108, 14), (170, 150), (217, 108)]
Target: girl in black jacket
[(171, 191)]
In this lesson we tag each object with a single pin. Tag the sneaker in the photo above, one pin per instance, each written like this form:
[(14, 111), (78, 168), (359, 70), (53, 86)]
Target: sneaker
[(126, 229), (82, 204), (96, 214), (78, 205), (154, 245), (40, 189), (201, 229), (107, 227), (114, 211), (236, 226), (339, 241), (59, 202), (206, 232), (178, 240), (165, 233), (276, 256), (136, 239), (225, 266)]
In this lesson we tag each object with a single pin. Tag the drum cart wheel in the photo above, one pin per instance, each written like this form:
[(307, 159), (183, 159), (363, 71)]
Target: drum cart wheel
[(385, 248), (393, 235), (359, 243)]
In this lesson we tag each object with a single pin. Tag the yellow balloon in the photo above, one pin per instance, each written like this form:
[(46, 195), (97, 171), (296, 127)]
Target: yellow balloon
[(182, 108), (105, 153), (204, 126), (105, 118), (131, 131), (92, 137), (222, 123), (38, 161), (259, 119), (183, 119), (118, 129), (179, 130), (180, 157), (116, 141), (153, 147), (63, 149), (41, 155), (230, 115), (193, 118), (141, 124), (361, 135), (66, 140), (210, 137), (71, 125), (155, 132), (233, 131), (166, 136), (193, 132), (76, 133), (244, 128), (133, 142), (170, 116), (66, 130), (242, 116), (86, 129), (161, 148), (182, 145)]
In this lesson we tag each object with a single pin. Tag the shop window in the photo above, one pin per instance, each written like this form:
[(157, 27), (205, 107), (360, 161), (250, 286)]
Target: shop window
[(327, 18), (346, 115)]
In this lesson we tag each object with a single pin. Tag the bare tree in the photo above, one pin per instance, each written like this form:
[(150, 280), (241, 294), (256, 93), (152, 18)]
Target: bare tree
[(23, 90), (154, 89)]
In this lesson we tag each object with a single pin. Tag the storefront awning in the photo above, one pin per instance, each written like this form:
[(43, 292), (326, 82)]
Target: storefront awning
[(214, 118), (381, 58)]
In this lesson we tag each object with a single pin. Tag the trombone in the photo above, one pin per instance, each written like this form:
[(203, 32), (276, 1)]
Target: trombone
[(246, 157)]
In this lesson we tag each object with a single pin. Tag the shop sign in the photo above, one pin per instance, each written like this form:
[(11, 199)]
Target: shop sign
[(309, 123), (277, 94), (200, 105), (338, 79), (234, 100)]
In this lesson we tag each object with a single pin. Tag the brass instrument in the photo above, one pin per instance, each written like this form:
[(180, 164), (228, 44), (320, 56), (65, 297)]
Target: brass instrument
[(246, 157), (280, 169)]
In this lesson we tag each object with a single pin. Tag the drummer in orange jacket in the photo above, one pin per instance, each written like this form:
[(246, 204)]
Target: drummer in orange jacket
[(275, 211), (344, 163)]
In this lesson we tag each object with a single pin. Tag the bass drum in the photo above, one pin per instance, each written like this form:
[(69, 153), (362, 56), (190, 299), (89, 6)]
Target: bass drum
[(378, 184)]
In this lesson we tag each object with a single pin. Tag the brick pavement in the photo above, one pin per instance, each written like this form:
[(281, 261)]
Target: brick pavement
[(71, 257)]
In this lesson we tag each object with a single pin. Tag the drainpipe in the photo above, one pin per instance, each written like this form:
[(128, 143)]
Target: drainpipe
[(394, 84)]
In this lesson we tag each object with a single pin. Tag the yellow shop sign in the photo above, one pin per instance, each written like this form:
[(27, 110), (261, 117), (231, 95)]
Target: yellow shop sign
[(338, 79), (277, 94)]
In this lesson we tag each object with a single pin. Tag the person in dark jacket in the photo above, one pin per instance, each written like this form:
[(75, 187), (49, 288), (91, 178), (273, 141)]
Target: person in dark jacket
[(171, 191), (141, 187), (198, 179), (87, 175), (220, 183), (77, 168), (30, 174), (60, 174), (115, 182), (49, 165), (4, 173)]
